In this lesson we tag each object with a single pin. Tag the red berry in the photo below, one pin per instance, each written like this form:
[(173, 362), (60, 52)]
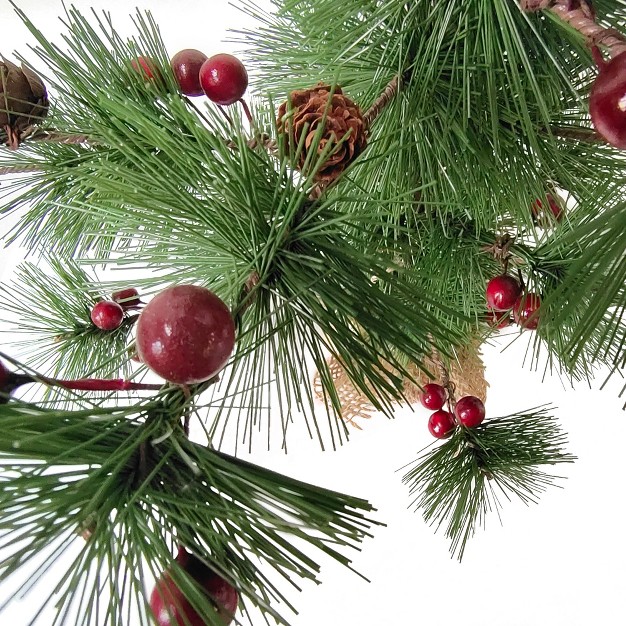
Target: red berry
[(498, 319), (526, 310), (224, 79), (607, 101), (433, 397), (171, 608), (441, 424), (502, 291), (4, 375), (555, 208), (127, 298), (107, 315), (147, 67), (470, 410), (186, 66), (185, 334)]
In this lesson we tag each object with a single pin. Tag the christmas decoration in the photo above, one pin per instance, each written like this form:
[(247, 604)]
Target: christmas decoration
[(186, 66), (127, 298), (441, 424), (23, 102), (526, 311), (185, 334), (323, 119), (470, 411), (346, 236), (502, 292), (169, 605), (542, 216), (607, 101), (107, 315), (223, 78), (433, 397)]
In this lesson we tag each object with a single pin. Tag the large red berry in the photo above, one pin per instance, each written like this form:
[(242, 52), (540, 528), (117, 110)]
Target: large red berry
[(127, 298), (185, 334), (441, 424), (433, 396), (224, 79), (107, 315), (502, 291), (186, 66), (607, 101), (526, 311), (470, 411), (171, 608)]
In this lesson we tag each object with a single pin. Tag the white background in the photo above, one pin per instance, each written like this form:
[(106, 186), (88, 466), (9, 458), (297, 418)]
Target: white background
[(561, 563)]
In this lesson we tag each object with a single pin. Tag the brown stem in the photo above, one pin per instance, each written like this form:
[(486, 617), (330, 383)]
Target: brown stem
[(100, 384), (19, 169), (246, 110), (390, 92)]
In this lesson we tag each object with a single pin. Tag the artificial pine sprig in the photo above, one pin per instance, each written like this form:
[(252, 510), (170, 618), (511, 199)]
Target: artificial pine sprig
[(118, 479), (456, 484)]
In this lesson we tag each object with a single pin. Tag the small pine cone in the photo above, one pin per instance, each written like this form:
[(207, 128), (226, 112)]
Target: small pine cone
[(23, 102), (343, 126)]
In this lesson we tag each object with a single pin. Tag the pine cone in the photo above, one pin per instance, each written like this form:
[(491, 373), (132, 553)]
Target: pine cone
[(23, 102), (343, 126)]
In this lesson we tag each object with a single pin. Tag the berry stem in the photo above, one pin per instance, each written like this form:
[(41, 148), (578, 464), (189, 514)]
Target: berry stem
[(100, 384), (228, 118), (246, 110)]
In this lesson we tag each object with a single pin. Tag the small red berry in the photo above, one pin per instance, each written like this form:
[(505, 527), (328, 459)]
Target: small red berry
[(556, 209), (224, 79), (127, 298), (185, 334), (186, 66), (433, 396), (147, 67), (502, 291), (107, 315), (470, 410), (526, 311), (607, 101), (171, 608), (441, 424)]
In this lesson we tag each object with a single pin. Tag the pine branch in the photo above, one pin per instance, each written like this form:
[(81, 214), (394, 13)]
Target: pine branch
[(459, 482)]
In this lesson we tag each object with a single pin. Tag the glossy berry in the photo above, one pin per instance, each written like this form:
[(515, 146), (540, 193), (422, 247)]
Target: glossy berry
[(185, 334), (107, 315), (4, 375), (470, 411), (224, 79), (541, 215), (607, 101), (433, 396), (171, 608), (441, 424), (127, 298), (147, 67), (186, 66), (502, 292), (526, 311)]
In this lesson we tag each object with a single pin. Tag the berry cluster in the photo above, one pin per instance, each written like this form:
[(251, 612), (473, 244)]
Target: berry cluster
[(109, 314), (469, 411), (506, 294)]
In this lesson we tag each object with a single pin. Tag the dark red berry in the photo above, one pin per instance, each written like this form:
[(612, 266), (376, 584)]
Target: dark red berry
[(171, 608), (498, 319), (185, 334), (4, 375), (433, 396), (541, 216), (107, 315), (470, 411), (607, 101), (147, 67), (127, 298), (441, 424), (526, 311), (224, 79), (502, 291), (186, 66)]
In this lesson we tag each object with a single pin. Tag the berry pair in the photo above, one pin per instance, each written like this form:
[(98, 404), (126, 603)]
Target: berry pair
[(469, 411), (223, 77), (505, 293), (109, 314)]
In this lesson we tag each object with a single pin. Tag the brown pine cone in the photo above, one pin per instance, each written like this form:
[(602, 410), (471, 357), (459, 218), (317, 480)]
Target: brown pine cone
[(343, 126), (23, 101)]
